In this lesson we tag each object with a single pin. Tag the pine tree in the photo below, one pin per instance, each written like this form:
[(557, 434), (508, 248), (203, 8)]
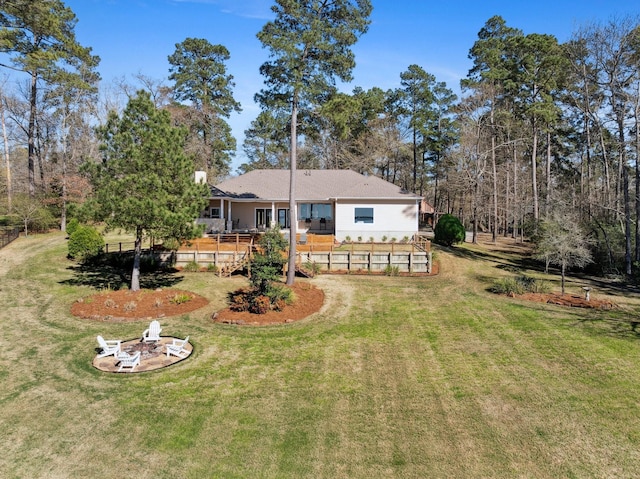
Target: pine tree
[(203, 85), (145, 182), (309, 43)]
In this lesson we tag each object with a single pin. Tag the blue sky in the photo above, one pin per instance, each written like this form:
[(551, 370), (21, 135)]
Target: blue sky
[(136, 36)]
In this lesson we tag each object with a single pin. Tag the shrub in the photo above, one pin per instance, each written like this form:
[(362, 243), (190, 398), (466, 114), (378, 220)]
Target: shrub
[(520, 285), (180, 298), (212, 268), (449, 231), (279, 305), (392, 270), (260, 304), (130, 306), (239, 300), (508, 286), (533, 285), (191, 267), (72, 225), (85, 243), (313, 267), (280, 293), (110, 303)]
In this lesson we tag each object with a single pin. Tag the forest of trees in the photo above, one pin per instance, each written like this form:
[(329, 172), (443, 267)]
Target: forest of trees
[(540, 127)]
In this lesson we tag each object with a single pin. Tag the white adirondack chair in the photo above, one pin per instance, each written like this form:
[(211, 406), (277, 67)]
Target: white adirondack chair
[(152, 333), (128, 361), (177, 347), (108, 346)]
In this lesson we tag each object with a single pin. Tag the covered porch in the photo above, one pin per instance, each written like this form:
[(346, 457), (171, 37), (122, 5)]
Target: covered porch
[(225, 215)]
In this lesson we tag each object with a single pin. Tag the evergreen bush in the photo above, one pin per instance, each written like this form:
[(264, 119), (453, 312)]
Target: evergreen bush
[(85, 243), (72, 226), (449, 231)]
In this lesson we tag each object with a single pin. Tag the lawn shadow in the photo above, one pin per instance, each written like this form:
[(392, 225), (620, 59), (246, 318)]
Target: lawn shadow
[(510, 261), (113, 271)]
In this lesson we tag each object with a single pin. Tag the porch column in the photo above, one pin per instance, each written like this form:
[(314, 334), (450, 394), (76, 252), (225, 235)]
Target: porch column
[(273, 214), (229, 218)]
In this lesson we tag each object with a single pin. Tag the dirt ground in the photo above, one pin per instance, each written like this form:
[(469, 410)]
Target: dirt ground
[(124, 305)]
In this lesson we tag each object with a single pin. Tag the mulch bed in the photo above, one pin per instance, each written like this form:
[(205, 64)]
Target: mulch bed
[(568, 300), (308, 300), (125, 305)]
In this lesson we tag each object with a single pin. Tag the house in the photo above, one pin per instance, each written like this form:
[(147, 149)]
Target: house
[(339, 202)]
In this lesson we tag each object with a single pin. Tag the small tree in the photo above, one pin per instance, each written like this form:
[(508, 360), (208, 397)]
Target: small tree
[(31, 212), (561, 241), (267, 263), (266, 268), (449, 231)]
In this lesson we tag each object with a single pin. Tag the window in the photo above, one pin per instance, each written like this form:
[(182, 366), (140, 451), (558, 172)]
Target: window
[(215, 212), (364, 215), (314, 211)]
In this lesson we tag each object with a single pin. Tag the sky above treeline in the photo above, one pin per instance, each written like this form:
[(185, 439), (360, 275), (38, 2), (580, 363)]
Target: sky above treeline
[(136, 36)]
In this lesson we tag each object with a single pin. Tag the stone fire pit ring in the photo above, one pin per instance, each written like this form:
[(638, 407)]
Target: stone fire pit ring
[(153, 355)]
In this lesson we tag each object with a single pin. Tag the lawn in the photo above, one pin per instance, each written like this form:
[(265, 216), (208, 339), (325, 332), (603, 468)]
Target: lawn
[(395, 377)]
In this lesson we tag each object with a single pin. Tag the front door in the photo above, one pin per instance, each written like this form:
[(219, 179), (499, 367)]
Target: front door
[(283, 218)]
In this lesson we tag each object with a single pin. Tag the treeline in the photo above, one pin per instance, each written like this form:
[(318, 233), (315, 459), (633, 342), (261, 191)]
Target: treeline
[(541, 127)]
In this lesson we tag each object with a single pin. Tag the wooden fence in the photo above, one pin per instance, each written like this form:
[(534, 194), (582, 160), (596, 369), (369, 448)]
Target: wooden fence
[(373, 261), (324, 261)]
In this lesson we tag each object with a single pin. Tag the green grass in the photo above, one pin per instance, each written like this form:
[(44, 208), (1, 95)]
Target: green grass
[(397, 377)]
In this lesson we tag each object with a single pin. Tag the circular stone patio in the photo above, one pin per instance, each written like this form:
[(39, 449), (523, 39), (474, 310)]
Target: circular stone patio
[(153, 355)]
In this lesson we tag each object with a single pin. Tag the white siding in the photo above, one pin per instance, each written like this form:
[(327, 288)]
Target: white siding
[(390, 219)]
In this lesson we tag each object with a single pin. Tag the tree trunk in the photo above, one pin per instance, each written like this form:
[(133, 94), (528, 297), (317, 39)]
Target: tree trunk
[(6, 155), (293, 217), (516, 203), (137, 254), (534, 174), (637, 173), (547, 193), (31, 135), (494, 228), (63, 209), (627, 220), (562, 270)]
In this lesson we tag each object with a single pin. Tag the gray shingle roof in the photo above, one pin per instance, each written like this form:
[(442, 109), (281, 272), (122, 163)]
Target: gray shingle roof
[(311, 185)]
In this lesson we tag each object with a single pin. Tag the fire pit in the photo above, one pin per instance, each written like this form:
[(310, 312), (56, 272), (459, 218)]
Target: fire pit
[(152, 355), (147, 350)]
